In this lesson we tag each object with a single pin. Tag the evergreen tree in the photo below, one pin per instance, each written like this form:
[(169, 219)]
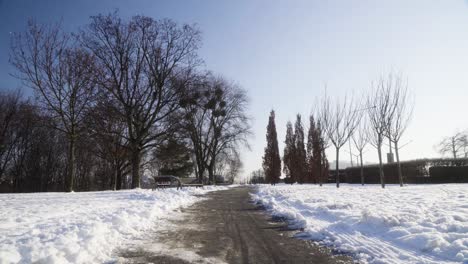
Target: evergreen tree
[(271, 159), (288, 155), (311, 168), (173, 158), (320, 161), (300, 163)]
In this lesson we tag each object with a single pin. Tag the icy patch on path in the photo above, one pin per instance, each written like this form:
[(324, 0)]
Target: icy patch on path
[(82, 227), (414, 224)]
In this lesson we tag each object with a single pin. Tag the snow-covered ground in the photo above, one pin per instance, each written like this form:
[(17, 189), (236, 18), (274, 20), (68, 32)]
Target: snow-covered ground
[(82, 227), (413, 224)]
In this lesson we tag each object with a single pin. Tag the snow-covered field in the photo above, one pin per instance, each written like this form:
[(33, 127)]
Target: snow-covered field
[(413, 224), (82, 227)]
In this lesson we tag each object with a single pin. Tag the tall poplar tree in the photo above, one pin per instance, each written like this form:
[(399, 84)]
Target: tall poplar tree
[(288, 155), (311, 171), (300, 163), (320, 161), (271, 159)]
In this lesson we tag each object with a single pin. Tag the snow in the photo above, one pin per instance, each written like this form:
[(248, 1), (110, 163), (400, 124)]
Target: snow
[(413, 224), (85, 227)]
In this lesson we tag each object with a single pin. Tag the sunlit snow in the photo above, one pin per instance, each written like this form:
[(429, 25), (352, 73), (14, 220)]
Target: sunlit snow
[(83, 227), (413, 224)]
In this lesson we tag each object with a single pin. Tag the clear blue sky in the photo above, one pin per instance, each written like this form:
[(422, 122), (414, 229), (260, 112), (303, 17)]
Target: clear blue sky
[(283, 52)]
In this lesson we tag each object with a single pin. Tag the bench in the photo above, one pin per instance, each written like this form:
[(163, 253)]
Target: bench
[(161, 182), (196, 185), (167, 182)]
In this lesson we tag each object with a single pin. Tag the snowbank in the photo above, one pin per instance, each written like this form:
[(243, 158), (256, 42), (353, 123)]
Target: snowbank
[(81, 227), (414, 224)]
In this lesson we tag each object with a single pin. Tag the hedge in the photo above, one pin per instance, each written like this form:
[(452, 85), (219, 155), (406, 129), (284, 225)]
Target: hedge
[(414, 171)]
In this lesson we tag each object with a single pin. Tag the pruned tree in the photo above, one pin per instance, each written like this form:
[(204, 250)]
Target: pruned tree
[(61, 74), (339, 120), (400, 117), (271, 158), (361, 140), (288, 155), (141, 63), (380, 105)]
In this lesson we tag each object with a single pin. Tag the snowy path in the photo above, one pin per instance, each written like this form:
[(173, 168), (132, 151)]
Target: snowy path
[(227, 228), (83, 227), (414, 224)]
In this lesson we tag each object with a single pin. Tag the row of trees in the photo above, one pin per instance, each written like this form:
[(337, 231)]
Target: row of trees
[(126, 95), (302, 163), (383, 114), (257, 177)]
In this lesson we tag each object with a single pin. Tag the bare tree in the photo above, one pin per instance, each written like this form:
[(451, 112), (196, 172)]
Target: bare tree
[(142, 62), (10, 103), (229, 165), (380, 105), (465, 146), (194, 123), (61, 75), (400, 117), (215, 120), (106, 129), (339, 120), (453, 144), (361, 139), (257, 176)]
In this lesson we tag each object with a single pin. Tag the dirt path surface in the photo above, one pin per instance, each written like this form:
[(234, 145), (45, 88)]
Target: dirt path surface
[(228, 228)]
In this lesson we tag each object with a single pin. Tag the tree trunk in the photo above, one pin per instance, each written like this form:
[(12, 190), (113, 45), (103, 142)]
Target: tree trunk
[(118, 179), (454, 152), (390, 145), (362, 168), (201, 171), (381, 172), (211, 176), (42, 182), (71, 164), (337, 168), (400, 174), (115, 180), (211, 168), (136, 159), (320, 172), (196, 173)]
